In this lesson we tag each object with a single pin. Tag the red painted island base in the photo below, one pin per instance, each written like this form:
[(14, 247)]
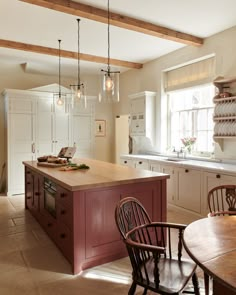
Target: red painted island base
[(82, 223)]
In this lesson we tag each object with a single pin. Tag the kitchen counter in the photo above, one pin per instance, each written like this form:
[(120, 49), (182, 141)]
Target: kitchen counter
[(211, 165), (100, 174), (76, 208)]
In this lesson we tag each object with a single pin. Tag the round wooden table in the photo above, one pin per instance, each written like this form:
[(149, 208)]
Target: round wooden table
[(211, 243)]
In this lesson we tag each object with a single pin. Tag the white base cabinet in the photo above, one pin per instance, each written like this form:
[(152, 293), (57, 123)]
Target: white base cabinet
[(35, 126), (189, 189)]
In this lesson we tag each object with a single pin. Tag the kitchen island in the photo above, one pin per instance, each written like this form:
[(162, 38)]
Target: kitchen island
[(76, 208)]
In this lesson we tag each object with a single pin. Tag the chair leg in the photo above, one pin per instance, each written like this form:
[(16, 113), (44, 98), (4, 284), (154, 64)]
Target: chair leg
[(132, 289), (206, 283), (145, 291), (195, 284)]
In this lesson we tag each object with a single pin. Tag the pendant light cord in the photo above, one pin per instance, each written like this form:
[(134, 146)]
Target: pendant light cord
[(108, 33), (59, 41), (78, 56)]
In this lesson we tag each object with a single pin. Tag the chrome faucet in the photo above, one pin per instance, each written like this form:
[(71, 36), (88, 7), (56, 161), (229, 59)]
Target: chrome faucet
[(181, 151)]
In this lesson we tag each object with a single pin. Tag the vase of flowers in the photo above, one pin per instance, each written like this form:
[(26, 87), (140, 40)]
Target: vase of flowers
[(188, 142)]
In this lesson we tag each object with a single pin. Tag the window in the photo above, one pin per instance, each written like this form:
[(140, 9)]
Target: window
[(190, 115)]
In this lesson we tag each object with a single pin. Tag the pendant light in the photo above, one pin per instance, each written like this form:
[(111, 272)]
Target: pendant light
[(109, 88), (78, 91), (60, 98)]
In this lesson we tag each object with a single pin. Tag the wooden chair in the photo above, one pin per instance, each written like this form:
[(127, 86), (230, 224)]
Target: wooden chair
[(222, 200), (155, 256)]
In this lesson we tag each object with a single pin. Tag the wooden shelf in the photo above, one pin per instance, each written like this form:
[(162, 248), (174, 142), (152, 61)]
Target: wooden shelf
[(222, 80), (224, 99), (228, 118), (224, 136)]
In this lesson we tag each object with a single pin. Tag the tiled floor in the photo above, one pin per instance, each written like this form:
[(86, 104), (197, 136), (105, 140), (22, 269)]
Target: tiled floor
[(31, 264)]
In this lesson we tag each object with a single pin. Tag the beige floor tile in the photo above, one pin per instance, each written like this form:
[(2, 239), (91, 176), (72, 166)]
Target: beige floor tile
[(46, 264), (12, 261), (17, 283), (8, 244)]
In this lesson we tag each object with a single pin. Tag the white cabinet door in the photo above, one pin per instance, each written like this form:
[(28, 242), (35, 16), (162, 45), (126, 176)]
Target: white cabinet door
[(82, 135), (171, 182), (60, 132), (45, 127), (189, 189), (155, 167), (137, 105), (142, 165), (21, 148), (127, 162)]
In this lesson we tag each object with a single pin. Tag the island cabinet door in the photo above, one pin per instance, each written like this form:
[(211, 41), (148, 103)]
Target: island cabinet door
[(152, 196), (102, 236)]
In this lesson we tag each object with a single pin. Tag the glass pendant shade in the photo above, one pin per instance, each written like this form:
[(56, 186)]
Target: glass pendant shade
[(78, 94), (109, 87), (78, 90), (109, 84)]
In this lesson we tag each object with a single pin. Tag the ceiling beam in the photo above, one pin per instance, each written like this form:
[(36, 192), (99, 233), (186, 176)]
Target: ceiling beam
[(67, 54), (122, 21)]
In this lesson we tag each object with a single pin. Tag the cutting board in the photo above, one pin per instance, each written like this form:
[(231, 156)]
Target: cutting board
[(52, 165)]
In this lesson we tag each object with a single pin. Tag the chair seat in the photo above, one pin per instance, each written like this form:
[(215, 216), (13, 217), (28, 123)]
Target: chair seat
[(174, 274)]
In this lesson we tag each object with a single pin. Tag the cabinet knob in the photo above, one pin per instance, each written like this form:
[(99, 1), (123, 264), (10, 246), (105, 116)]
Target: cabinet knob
[(49, 224), (125, 162), (37, 194), (62, 236), (63, 212), (28, 182), (186, 170), (140, 162), (217, 175), (28, 198), (63, 195)]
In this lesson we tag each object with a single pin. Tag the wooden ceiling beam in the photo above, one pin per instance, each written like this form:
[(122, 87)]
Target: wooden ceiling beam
[(67, 54), (122, 21)]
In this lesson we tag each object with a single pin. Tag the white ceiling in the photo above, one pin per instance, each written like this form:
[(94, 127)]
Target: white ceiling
[(36, 25)]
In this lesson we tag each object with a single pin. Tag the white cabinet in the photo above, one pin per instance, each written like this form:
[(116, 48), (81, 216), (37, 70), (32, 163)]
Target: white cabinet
[(20, 139), (83, 129), (142, 114), (171, 183), (141, 164), (135, 163), (35, 126), (189, 189), (127, 162)]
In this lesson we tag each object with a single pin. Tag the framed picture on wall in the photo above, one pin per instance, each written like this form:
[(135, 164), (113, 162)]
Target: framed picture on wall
[(100, 127)]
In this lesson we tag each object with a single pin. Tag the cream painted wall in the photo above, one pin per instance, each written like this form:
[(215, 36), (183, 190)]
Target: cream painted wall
[(13, 76), (223, 45)]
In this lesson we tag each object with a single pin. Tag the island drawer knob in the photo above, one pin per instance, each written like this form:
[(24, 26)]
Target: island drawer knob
[(63, 236), (63, 195), (37, 194), (49, 224), (28, 182), (63, 212), (217, 175), (28, 198)]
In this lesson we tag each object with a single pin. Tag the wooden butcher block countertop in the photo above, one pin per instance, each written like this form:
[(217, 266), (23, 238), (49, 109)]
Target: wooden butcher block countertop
[(101, 174)]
